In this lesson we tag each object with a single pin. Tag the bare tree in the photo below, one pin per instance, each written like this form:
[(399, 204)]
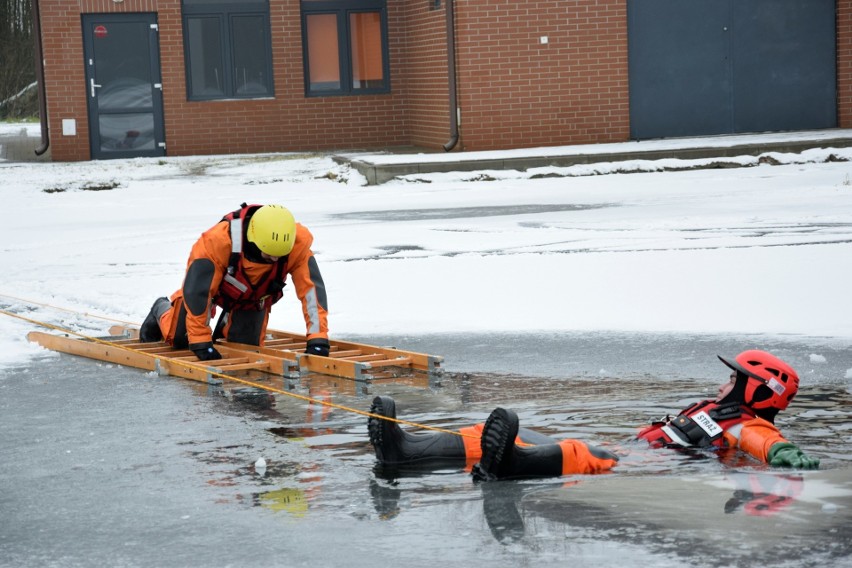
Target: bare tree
[(17, 63)]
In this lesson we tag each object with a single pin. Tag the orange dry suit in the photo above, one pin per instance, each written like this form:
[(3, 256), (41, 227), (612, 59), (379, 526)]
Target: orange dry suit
[(712, 424), (536, 454), (534, 457), (226, 270)]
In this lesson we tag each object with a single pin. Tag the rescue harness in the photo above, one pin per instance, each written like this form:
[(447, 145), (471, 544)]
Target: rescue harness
[(700, 425)]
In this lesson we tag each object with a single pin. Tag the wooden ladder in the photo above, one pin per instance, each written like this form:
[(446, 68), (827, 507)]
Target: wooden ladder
[(282, 355)]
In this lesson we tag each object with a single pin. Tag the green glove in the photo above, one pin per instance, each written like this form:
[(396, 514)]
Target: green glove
[(785, 454)]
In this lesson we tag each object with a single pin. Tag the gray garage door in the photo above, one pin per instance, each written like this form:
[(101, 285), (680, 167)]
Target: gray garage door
[(700, 67)]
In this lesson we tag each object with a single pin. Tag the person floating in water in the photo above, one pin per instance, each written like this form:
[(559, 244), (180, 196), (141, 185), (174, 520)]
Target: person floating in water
[(742, 416)]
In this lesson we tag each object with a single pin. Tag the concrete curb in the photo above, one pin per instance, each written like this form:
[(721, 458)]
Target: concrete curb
[(378, 173)]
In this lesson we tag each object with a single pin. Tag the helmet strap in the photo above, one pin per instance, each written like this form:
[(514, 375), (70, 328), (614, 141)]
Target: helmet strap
[(737, 394), (767, 414), (253, 253)]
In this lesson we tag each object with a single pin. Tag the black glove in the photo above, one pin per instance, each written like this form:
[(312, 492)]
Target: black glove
[(205, 351), (318, 346)]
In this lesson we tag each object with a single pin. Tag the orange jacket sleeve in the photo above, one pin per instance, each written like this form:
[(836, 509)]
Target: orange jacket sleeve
[(207, 264), (757, 436), (310, 288)]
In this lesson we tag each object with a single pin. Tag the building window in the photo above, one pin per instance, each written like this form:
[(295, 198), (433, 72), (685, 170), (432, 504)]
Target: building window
[(345, 47), (227, 49)]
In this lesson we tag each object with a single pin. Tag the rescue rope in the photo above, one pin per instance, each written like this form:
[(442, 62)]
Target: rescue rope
[(43, 305), (211, 372)]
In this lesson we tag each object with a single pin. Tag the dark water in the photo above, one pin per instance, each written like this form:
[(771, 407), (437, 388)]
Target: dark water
[(108, 466)]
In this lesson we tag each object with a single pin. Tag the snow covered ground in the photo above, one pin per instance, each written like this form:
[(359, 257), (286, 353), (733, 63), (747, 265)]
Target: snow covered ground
[(761, 251), (765, 249)]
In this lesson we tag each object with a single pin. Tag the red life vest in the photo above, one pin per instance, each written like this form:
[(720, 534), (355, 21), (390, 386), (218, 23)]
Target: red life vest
[(236, 290), (702, 424)]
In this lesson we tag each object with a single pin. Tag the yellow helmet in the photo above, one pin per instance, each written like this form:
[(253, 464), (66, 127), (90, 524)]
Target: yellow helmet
[(273, 229)]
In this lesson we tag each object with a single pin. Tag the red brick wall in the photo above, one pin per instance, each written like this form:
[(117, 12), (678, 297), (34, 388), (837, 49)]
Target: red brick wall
[(62, 49), (424, 67), (517, 92), (513, 90), (844, 63), (290, 121)]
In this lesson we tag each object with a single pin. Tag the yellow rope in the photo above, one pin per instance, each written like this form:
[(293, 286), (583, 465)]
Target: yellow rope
[(211, 372), (43, 305)]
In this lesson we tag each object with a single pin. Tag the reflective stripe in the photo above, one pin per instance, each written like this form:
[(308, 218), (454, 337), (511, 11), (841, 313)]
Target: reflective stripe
[(316, 278), (777, 387), (235, 283), (312, 311), (236, 235), (735, 430), (674, 436)]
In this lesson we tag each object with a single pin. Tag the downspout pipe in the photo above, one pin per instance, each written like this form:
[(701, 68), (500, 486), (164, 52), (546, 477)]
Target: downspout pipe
[(451, 71), (42, 95)]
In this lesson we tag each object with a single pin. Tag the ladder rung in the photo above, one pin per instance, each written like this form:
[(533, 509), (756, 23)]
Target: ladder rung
[(160, 349), (258, 365), (225, 361), (342, 354), (283, 343), (373, 357), (401, 362)]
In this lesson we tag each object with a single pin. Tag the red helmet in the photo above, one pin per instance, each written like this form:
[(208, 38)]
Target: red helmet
[(771, 383)]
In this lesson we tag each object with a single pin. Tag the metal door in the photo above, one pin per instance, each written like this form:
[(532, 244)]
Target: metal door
[(700, 67), (680, 80), (784, 65), (123, 85)]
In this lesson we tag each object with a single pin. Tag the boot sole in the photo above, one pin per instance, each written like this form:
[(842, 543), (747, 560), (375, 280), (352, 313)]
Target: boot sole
[(383, 406), (498, 437)]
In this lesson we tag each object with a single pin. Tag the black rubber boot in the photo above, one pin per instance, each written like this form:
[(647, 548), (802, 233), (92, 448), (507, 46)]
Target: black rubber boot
[(393, 445), (503, 459), (498, 440), (535, 461), (149, 331)]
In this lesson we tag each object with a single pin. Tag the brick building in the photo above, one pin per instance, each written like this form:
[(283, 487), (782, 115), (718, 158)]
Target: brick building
[(125, 78)]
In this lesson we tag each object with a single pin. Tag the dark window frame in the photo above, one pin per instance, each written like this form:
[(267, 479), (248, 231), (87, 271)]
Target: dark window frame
[(342, 9), (224, 13)]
